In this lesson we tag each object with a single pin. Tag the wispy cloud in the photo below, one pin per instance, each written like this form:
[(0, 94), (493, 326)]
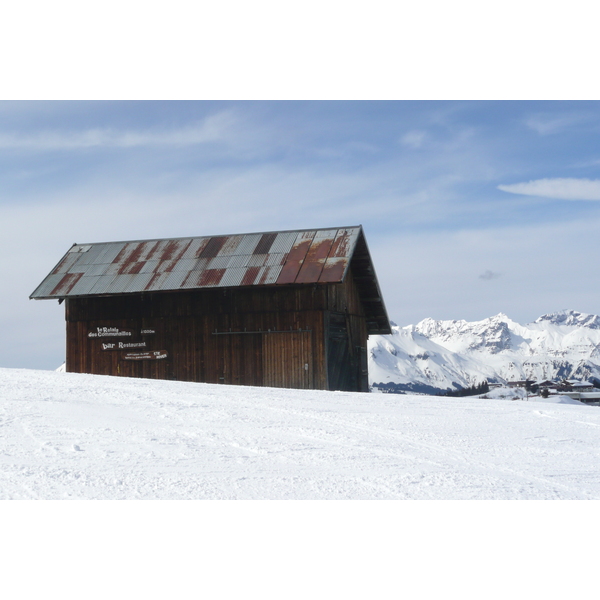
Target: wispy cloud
[(213, 128), (414, 139), (546, 124), (558, 188), (489, 275), (586, 164)]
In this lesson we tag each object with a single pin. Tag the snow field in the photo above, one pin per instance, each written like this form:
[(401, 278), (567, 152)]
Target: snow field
[(71, 436)]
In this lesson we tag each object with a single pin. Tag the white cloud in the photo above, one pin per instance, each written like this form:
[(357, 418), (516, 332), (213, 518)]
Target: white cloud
[(559, 188), (549, 124), (213, 128), (414, 139)]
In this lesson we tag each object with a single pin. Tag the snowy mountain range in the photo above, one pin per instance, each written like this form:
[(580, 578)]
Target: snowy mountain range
[(433, 356)]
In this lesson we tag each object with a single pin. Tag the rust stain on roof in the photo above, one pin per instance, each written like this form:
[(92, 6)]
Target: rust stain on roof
[(152, 250), (67, 261), (128, 257), (333, 270), (230, 244), (211, 277), (154, 277), (213, 247), (295, 258), (66, 284), (132, 268), (168, 251), (250, 276), (119, 257), (265, 243), (340, 246), (314, 261), (179, 250), (203, 244), (265, 275)]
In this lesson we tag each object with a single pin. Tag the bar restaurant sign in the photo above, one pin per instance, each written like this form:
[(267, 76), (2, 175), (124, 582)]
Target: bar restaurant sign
[(115, 332)]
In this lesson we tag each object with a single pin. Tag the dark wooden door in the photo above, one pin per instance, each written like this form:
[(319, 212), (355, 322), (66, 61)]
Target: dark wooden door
[(288, 359)]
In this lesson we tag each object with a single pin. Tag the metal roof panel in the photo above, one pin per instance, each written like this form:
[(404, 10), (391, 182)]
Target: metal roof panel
[(66, 263), (195, 248), (174, 279), (344, 242), (84, 286), (248, 243), (239, 261), (119, 284), (296, 257), (283, 242), (102, 283), (268, 275), (138, 283), (43, 290), (277, 260), (256, 260), (89, 270), (232, 277), (109, 253), (219, 262), (229, 248), (312, 265), (90, 257), (150, 266)]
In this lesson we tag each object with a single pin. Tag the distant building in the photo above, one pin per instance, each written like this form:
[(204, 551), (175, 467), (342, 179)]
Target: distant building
[(572, 385), (524, 383), (283, 309)]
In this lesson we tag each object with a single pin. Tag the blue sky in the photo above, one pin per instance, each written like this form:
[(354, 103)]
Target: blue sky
[(470, 208)]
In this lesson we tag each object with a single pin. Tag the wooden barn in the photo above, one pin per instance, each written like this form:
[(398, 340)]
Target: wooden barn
[(282, 309)]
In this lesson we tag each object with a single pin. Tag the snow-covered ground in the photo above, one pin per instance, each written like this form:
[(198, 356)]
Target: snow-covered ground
[(506, 393), (82, 436)]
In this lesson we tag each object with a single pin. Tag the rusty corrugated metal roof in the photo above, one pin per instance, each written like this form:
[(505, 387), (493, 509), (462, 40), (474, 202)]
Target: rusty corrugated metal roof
[(271, 258)]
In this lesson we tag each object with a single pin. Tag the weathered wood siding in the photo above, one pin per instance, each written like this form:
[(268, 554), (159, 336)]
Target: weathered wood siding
[(346, 338), (280, 337)]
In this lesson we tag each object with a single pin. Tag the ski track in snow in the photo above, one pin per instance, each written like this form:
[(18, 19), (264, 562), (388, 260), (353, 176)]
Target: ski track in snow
[(68, 436)]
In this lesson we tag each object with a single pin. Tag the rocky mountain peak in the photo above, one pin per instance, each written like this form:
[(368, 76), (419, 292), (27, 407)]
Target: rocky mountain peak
[(571, 318), (455, 353)]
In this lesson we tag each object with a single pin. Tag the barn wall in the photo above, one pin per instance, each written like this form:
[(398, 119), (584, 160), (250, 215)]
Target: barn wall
[(309, 336), (215, 336), (346, 338)]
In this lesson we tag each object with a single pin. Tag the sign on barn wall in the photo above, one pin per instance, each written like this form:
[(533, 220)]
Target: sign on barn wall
[(116, 332), (109, 332), (122, 345), (152, 355)]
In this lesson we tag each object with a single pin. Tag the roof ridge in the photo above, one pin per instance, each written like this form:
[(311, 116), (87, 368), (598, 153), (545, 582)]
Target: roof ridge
[(196, 237)]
